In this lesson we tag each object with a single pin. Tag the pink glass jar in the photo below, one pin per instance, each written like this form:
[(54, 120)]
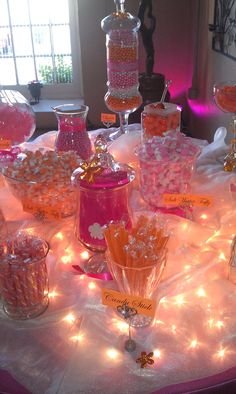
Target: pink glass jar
[(72, 130), (102, 197)]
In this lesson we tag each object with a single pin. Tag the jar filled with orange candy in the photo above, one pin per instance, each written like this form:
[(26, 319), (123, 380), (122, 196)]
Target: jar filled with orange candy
[(159, 118)]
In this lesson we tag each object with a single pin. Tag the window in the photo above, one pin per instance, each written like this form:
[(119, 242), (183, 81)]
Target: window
[(39, 40)]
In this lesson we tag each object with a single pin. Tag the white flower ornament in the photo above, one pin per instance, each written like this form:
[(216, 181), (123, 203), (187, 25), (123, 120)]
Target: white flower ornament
[(95, 231)]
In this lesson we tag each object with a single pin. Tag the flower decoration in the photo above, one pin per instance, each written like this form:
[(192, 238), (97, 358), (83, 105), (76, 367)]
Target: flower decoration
[(145, 359), (96, 231)]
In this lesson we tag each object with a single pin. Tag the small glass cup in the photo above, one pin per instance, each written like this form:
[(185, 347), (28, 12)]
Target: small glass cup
[(23, 276), (158, 118), (138, 281)]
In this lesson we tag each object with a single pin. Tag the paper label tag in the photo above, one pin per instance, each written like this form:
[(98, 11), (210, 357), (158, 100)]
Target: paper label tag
[(187, 200), (38, 211), (5, 144), (108, 118), (114, 299)]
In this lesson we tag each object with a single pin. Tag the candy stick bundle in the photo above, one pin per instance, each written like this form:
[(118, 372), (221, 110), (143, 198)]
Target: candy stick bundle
[(137, 257)]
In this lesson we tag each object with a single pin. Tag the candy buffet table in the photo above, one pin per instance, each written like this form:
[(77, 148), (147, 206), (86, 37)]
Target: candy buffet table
[(77, 345)]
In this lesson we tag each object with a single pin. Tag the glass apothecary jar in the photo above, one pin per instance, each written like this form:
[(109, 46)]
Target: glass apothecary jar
[(123, 96), (103, 187)]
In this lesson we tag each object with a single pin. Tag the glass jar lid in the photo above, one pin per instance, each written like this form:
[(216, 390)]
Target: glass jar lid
[(120, 20), (102, 171)]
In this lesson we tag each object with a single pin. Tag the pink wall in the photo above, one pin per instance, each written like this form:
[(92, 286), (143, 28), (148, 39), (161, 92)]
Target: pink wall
[(174, 41)]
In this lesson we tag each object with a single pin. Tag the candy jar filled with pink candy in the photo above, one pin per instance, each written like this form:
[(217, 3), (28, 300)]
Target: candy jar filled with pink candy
[(72, 130), (166, 167), (23, 274), (17, 119), (102, 186)]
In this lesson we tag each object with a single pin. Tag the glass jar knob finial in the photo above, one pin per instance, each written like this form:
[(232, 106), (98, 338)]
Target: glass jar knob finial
[(120, 5)]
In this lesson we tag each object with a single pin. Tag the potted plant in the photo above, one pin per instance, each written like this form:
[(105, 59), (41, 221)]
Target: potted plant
[(35, 91)]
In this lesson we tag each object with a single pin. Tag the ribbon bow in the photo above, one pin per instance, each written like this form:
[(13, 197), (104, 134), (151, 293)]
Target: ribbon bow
[(91, 169)]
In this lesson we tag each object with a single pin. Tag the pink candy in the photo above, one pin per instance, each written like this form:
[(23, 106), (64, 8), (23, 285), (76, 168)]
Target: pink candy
[(166, 164), (17, 122)]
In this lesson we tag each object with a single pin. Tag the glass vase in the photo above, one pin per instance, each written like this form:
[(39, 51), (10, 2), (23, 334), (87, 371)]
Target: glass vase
[(72, 130)]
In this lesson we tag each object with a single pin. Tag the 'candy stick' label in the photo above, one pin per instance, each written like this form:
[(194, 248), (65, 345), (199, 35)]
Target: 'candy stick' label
[(114, 299), (187, 200), (108, 118)]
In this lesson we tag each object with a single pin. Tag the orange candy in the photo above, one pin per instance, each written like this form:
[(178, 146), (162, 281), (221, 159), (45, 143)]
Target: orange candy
[(117, 53), (226, 98), (154, 124), (117, 104)]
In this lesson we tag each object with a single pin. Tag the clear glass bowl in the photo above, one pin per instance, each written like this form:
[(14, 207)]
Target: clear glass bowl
[(45, 200), (225, 96), (46, 195)]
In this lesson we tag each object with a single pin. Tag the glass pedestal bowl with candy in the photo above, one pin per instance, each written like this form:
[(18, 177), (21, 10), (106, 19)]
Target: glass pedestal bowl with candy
[(225, 98), (41, 182), (17, 122)]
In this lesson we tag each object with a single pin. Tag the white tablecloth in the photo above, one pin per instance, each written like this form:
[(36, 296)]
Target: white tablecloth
[(77, 345)]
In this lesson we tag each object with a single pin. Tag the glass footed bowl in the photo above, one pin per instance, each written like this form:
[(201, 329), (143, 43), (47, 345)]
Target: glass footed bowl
[(17, 118), (51, 195), (225, 96)]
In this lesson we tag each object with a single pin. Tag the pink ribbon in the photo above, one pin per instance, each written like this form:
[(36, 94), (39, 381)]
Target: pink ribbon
[(103, 276)]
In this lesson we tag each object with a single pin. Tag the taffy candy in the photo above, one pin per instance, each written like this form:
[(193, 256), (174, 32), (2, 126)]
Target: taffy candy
[(158, 118), (166, 166), (41, 181)]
